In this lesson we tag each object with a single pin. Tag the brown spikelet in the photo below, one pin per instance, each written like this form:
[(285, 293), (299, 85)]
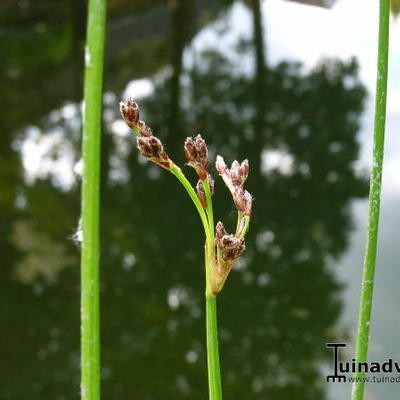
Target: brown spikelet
[(196, 153), (201, 194), (130, 112), (144, 130), (151, 148)]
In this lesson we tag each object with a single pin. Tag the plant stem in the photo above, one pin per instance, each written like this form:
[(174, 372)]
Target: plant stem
[(207, 218), (210, 213), (246, 226), (90, 338), (374, 200), (182, 178), (239, 219), (214, 374)]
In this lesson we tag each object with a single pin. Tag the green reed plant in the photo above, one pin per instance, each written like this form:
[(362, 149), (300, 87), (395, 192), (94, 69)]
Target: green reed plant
[(90, 348), (367, 285), (221, 249)]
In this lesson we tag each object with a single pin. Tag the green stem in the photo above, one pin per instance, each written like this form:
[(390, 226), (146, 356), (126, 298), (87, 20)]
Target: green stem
[(182, 178), (214, 374), (210, 213), (90, 349), (374, 200), (207, 218), (239, 220), (246, 226)]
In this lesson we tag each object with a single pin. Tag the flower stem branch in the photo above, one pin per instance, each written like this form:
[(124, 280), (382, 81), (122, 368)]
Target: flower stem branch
[(210, 213), (186, 184)]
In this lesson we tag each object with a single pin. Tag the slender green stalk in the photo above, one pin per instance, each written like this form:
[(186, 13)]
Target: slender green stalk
[(246, 226), (90, 348), (374, 200), (210, 213), (209, 247), (186, 184), (207, 218), (214, 374), (239, 219), (214, 371)]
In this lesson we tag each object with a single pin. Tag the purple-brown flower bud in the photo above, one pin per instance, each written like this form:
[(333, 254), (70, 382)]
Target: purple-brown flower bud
[(231, 247), (130, 112), (220, 231), (242, 172), (201, 194), (153, 150), (201, 191), (196, 153), (234, 179), (220, 165), (210, 183), (243, 201), (144, 130), (248, 209), (228, 248), (234, 173), (238, 198)]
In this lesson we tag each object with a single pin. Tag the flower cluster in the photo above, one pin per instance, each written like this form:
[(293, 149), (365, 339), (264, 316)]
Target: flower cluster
[(234, 178), (231, 247), (148, 144), (201, 194), (224, 249), (196, 153)]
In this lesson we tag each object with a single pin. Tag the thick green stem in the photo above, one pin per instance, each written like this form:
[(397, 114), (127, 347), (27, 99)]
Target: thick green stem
[(214, 374), (90, 349), (374, 201)]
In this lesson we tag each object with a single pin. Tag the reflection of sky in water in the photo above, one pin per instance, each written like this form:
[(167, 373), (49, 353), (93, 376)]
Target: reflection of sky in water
[(293, 32), (306, 34)]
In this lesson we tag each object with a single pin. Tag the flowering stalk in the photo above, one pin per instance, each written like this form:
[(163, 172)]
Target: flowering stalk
[(221, 249), (90, 313), (367, 286)]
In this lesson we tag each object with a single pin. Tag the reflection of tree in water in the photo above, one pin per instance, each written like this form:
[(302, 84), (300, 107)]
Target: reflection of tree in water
[(280, 306)]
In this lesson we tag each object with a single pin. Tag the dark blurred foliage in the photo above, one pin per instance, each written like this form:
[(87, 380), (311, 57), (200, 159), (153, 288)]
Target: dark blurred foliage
[(279, 307)]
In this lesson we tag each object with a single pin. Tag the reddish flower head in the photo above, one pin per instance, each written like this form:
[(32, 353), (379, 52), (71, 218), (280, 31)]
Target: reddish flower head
[(151, 148), (130, 112), (196, 153)]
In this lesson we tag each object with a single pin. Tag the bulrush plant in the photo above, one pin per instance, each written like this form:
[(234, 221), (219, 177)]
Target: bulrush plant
[(222, 249)]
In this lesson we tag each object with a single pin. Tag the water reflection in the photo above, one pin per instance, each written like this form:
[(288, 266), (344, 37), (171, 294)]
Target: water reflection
[(279, 307)]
